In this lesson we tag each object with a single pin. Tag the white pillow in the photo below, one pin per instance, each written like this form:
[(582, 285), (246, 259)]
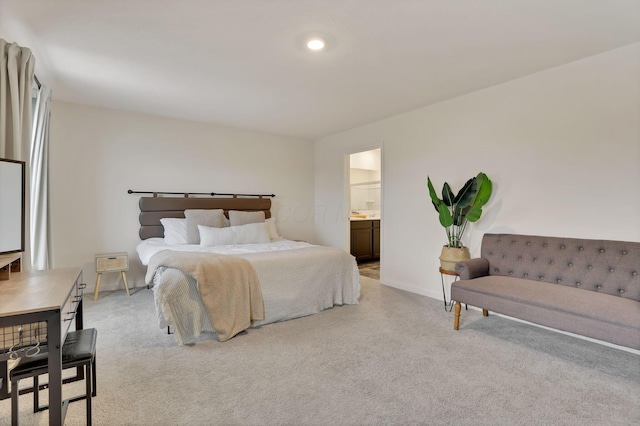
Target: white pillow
[(243, 234), (175, 230), (272, 230)]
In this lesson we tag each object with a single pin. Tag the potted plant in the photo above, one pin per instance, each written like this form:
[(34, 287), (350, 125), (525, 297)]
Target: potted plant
[(455, 213)]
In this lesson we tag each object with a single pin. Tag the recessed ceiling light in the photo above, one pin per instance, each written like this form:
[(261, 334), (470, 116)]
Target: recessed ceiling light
[(315, 44)]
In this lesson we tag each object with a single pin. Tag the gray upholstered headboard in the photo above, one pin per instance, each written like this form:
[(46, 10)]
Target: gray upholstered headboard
[(152, 209)]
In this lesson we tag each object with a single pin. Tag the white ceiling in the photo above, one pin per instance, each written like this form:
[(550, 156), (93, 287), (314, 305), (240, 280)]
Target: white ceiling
[(243, 63)]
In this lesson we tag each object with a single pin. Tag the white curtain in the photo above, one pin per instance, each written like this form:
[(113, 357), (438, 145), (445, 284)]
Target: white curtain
[(16, 81), (39, 159)]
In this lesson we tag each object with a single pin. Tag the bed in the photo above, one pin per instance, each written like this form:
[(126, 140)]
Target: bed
[(294, 278)]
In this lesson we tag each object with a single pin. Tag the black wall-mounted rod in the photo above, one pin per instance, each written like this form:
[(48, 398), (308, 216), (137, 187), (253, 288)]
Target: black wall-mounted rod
[(187, 194)]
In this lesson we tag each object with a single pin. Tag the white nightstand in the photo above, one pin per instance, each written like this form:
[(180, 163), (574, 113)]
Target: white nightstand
[(111, 262)]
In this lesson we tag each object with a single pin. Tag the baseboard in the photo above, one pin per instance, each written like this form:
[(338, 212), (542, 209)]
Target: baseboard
[(413, 289), (600, 342)]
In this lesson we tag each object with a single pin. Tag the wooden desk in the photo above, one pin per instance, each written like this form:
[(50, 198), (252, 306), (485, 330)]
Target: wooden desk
[(54, 296)]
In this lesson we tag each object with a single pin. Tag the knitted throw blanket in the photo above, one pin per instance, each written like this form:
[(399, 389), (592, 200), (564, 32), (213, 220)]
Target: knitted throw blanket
[(228, 285)]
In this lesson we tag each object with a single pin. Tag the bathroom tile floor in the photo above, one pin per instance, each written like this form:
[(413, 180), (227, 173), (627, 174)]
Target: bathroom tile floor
[(370, 269)]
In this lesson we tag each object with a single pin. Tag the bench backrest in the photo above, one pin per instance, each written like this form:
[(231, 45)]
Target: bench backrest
[(611, 267)]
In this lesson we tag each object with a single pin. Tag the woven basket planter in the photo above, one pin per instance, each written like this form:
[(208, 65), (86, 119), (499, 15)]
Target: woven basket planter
[(451, 255)]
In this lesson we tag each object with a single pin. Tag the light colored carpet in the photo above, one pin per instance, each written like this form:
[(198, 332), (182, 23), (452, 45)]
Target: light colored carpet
[(394, 359)]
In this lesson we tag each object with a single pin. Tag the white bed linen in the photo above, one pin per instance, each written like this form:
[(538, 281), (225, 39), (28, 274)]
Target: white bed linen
[(151, 246), (296, 278)]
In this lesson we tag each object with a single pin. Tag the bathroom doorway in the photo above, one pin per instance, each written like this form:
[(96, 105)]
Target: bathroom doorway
[(365, 218)]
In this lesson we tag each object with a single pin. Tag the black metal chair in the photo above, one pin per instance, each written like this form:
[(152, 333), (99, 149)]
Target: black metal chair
[(79, 350)]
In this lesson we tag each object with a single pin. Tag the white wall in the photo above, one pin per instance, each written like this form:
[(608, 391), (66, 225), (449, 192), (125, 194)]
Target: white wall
[(98, 154), (562, 147)]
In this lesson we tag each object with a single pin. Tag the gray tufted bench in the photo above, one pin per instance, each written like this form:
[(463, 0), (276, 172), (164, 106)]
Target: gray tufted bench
[(586, 287)]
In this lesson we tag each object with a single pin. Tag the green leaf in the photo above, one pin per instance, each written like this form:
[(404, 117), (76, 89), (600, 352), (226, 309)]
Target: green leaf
[(459, 215), (446, 219), (467, 194), (482, 197), (447, 195), (434, 197), (474, 214), (485, 187)]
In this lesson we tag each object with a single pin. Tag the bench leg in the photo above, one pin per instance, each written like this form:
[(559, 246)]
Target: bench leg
[(36, 394), (485, 313), (14, 403), (94, 378), (88, 392), (456, 318)]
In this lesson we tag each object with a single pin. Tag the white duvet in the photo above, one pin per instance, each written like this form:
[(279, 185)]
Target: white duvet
[(296, 278), (151, 246)]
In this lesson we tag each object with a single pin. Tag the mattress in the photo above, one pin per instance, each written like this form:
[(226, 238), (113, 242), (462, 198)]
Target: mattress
[(297, 279)]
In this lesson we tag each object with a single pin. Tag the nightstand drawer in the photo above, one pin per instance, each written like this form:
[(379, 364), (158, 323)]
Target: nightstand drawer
[(112, 262)]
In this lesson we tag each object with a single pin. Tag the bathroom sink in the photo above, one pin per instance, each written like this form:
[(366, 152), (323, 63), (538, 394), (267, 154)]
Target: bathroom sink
[(358, 216)]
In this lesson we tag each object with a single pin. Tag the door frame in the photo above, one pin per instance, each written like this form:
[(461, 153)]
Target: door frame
[(347, 195)]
